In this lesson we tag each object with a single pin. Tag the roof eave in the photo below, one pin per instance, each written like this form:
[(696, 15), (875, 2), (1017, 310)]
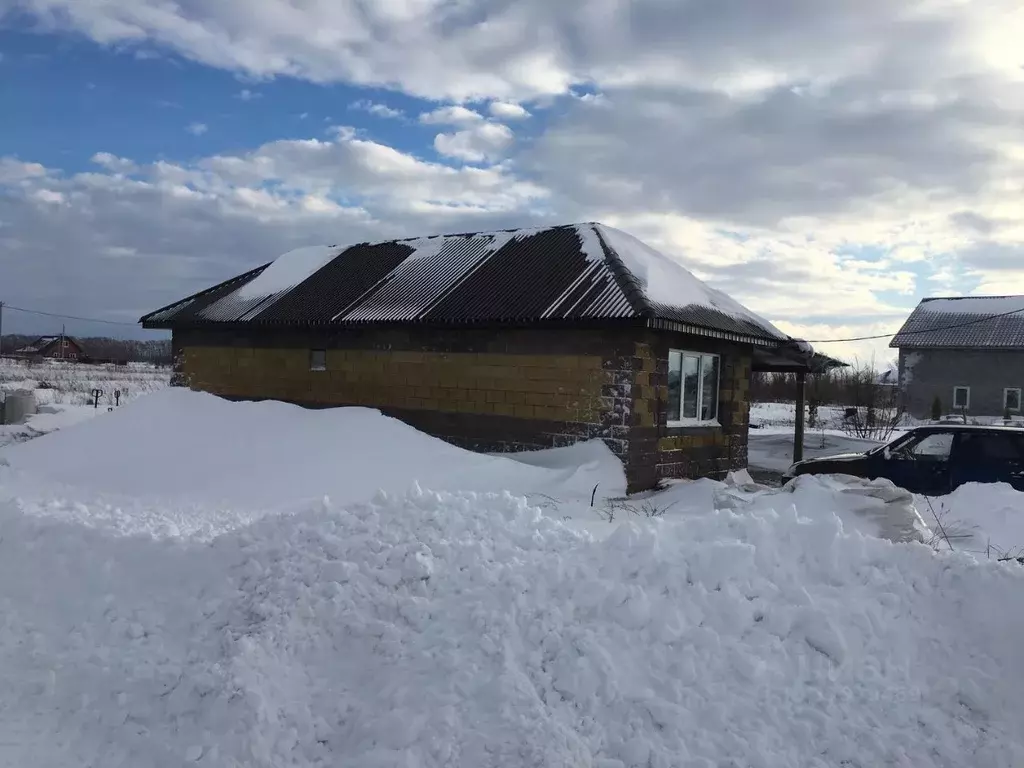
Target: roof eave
[(663, 324)]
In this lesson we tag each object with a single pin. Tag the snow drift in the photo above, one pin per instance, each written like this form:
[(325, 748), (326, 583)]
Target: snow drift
[(463, 627), (190, 462)]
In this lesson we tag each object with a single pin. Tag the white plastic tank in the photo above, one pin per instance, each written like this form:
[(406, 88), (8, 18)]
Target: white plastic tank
[(18, 406)]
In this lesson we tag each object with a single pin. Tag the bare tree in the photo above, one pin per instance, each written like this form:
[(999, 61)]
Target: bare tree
[(874, 410)]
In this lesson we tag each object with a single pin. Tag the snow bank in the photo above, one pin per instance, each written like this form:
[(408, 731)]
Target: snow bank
[(170, 596), (666, 281), (287, 271), (870, 507), (468, 630), (197, 458), (983, 518)]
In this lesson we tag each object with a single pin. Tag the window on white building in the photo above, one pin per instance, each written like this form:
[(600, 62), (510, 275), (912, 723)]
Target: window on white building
[(1011, 399), (961, 398)]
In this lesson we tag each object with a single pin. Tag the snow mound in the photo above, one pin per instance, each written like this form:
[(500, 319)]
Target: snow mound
[(983, 518), (435, 629), (179, 462), (870, 507)]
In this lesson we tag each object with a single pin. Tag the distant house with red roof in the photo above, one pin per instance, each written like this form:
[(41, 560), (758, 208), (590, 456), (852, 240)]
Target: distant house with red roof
[(53, 347)]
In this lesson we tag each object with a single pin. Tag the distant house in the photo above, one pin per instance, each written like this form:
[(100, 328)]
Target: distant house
[(54, 347), (496, 341), (888, 378), (968, 352)]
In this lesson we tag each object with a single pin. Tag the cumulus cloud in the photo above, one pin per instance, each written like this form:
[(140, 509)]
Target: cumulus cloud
[(507, 110), (114, 163), (197, 129), (451, 115), (375, 108), (175, 228), (809, 157), (485, 141), (534, 48)]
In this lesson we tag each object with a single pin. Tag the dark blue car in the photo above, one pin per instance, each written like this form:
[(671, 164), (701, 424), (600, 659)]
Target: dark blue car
[(933, 460)]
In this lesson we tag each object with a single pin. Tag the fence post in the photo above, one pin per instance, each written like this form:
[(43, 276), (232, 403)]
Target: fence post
[(798, 432)]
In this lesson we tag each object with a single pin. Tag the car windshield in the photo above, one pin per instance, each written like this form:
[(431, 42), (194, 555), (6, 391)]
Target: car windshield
[(894, 445)]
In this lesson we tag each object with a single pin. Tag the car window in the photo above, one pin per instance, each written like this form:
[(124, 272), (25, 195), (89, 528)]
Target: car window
[(932, 447), (991, 446)]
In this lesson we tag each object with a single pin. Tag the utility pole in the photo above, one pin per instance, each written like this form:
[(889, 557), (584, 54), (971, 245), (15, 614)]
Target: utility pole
[(62, 342), (1, 329)]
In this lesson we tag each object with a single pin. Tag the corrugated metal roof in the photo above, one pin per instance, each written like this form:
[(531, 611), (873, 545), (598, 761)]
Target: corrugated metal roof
[(974, 322), (565, 273)]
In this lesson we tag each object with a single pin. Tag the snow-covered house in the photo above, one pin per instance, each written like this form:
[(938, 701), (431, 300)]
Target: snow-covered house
[(496, 341), (966, 351)]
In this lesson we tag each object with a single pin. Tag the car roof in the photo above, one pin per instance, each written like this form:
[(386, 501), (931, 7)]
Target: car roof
[(966, 428)]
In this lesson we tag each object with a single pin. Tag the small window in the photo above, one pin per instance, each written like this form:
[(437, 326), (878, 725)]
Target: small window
[(935, 446), (692, 388), (961, 398), (1011, 399), (318, 359)]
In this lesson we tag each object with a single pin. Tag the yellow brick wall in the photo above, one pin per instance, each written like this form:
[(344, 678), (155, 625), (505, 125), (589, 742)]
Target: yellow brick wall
[(550, 387)]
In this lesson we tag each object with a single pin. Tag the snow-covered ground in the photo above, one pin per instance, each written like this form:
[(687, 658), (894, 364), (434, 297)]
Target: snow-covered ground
[(187, 581), (63, 383), (770, 442), (772, 447), (64, 391)]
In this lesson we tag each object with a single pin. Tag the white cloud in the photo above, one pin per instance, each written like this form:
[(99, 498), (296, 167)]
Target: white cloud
[(507, 110), (451, 115), (247, 95), (197, 129), (486, 141), (374, 108), (189, 225), (13, 170), (48, 196), (809, 157), (114, 163), (533, 48)]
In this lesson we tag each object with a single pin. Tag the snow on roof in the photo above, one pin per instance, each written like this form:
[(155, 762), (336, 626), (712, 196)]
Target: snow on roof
[(543, 273), (668, 282), (974, 305), (287, 271)]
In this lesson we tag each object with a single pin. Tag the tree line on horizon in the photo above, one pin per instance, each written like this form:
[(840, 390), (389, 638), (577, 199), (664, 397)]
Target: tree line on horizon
[(102, 348)]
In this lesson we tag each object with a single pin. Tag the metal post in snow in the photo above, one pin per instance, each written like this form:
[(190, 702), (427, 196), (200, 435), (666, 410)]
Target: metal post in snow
[(798, 436)]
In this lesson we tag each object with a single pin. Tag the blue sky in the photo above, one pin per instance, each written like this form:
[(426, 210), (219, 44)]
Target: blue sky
[(828, 169), (66, 97)]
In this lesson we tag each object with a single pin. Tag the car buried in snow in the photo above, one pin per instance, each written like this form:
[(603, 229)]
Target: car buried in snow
[(932, 460)]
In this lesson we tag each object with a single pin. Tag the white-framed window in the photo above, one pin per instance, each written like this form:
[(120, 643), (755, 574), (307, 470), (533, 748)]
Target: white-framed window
[(318, 359), (961, 398), (1011, 399), (692, 388)]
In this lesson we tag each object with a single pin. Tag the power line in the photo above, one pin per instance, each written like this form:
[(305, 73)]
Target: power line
[(68, 317), (920, 330)]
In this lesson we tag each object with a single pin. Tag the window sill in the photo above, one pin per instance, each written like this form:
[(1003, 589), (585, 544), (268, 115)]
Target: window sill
[(693, 423)]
